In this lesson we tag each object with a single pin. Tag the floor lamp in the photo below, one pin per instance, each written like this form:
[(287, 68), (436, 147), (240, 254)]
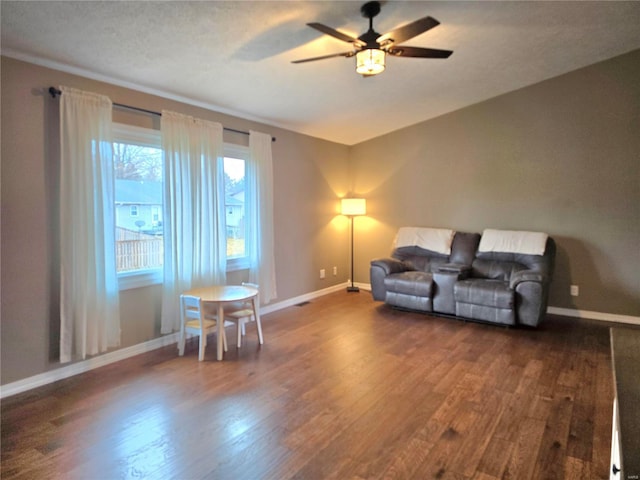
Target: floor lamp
[(352, 207)]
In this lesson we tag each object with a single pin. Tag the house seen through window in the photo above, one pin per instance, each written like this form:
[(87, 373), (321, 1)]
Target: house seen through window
[(234, 203), (139, 205)]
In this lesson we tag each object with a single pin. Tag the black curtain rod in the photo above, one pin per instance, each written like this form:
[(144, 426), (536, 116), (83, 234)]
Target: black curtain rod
[(54, 92)]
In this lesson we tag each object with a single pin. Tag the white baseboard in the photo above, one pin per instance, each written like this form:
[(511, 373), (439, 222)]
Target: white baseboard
[(67, 371), (605, 317), (85, 365), (300, 299)]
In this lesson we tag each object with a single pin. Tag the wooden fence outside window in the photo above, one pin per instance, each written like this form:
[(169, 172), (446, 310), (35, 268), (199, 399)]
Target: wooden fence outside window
[(142, 254)]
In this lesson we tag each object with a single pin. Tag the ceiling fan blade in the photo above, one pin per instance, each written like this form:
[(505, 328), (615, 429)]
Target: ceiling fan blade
[(408, 31), (401, 51), (344, 54), (336, 34)]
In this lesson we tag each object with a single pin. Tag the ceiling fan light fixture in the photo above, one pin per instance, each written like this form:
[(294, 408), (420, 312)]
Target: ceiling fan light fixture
[(371, 48), (370, 61)]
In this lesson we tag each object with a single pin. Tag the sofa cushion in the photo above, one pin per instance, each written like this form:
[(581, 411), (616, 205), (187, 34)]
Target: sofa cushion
[(410, 283), (540, 263), (505, 316), (464, 248), (416, 258), (490, 293), (495, 269), (410, 302)]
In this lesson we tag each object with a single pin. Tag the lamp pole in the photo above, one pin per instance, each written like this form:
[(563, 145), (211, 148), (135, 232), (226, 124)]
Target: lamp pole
[(352, 288), (351, 207)]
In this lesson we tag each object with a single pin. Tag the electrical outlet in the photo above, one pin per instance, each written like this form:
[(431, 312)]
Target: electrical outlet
[(335, 271), (322, 273), (574, 290)]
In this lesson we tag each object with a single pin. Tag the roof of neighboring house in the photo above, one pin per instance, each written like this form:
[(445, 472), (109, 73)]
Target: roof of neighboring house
[(238, 196), (232, 201), (138, 192)]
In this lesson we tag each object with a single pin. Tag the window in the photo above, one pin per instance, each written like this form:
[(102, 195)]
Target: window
[(234, 194), (138, 205)]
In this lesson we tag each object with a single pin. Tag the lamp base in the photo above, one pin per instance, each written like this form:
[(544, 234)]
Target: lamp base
[(353, 289)]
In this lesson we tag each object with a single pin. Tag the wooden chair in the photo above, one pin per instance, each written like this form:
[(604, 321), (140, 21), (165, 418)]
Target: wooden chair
[(243, 313), (193, 319)]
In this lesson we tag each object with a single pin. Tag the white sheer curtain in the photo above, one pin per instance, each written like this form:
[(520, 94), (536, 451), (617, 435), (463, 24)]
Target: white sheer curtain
[(259, 212), (89, 304), (195, 243)]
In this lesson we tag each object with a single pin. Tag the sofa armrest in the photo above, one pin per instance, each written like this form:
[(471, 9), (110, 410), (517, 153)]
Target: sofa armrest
[(459, 268), (379, 270), (526, 276), (532, 290), (390, 265), (445, 279)]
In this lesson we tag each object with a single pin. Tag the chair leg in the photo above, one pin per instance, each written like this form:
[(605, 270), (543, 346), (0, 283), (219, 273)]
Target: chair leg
[(224, 340), (181, 342), (203, 344), (256, 315), (240, 326), (259, 327)]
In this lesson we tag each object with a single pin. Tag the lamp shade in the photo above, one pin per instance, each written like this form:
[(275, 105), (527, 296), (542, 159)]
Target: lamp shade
[(354, 206), (370, 61)]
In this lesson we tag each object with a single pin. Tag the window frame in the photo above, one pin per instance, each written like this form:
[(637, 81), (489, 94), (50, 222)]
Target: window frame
[(123, 133)]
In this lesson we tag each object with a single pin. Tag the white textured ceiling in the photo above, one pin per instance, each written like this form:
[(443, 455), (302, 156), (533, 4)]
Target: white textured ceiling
[(235, 57)]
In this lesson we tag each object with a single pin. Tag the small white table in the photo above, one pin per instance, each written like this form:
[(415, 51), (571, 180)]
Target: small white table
[(222, 294)]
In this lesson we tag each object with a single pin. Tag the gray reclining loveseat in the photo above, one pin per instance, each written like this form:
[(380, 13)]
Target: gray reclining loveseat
[(501, 277)]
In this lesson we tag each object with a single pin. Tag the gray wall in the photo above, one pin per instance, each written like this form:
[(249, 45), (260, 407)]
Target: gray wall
[(561, 156), (309, 176)]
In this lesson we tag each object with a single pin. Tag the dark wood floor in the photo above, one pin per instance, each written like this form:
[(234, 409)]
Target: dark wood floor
[(343, 388)]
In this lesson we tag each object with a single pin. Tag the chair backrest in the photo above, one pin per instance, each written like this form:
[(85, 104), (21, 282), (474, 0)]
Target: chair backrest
[(191, 308)]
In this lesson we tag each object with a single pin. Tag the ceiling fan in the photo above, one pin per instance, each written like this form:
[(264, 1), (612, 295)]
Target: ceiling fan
[(371, 48)]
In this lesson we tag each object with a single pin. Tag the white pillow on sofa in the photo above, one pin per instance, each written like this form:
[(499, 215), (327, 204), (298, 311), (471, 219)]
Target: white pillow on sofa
[(513, 241), (437, 240)]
